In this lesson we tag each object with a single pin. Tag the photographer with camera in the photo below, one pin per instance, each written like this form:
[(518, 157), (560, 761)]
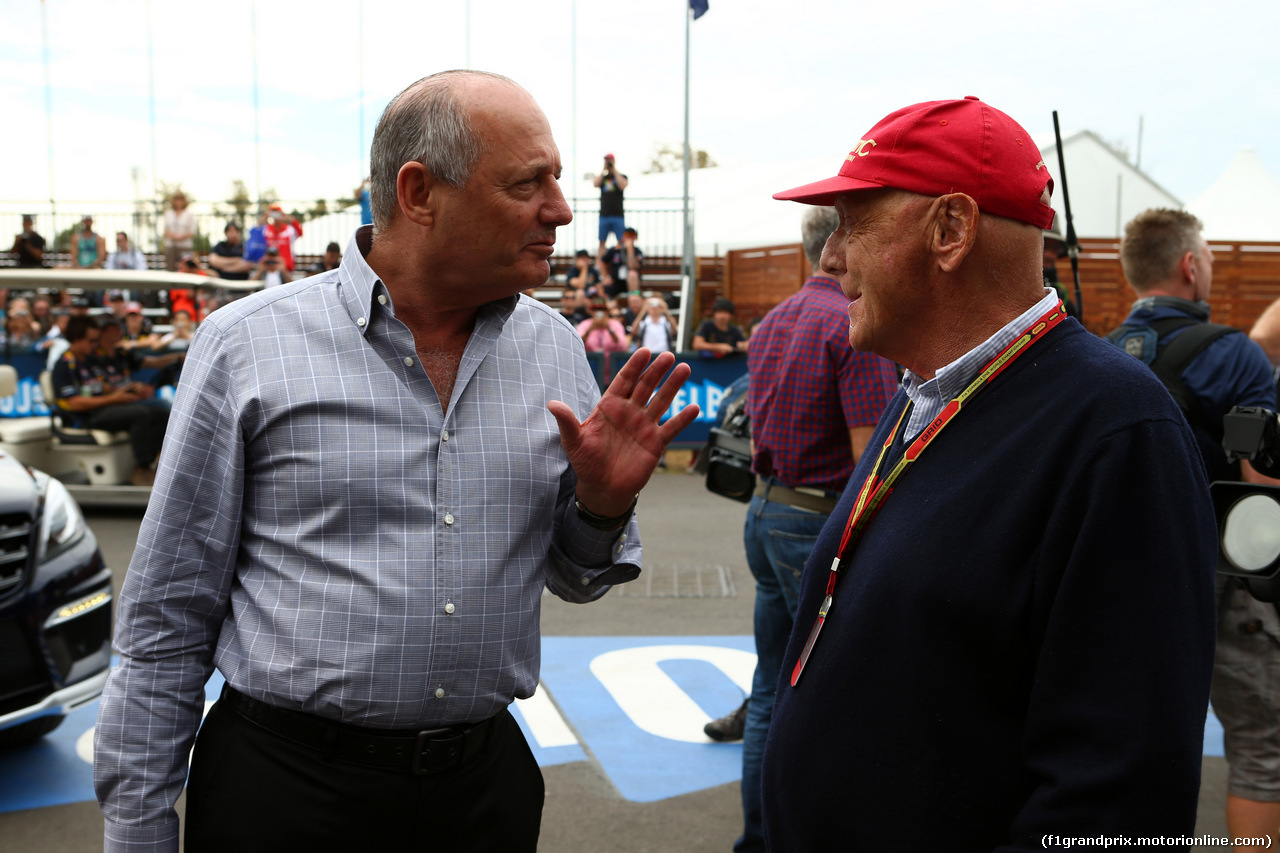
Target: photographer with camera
[(813, 403), (1209, 369), (612, 219)]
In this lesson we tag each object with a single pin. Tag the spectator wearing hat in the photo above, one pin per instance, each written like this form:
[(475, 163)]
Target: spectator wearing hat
[(582, 277), (612, 218), (227, 257), (622, 264), (118, 304), (330, 260), (281, 230), (28, 247), (720, 336), (19, 331), (271, 270), (179, 231), (88, 248), (126, 256), (137, 329), (655, 328), (1016, 633)]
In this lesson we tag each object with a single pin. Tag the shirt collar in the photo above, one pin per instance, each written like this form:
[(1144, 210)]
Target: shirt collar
[(950, 380), (360, 286)]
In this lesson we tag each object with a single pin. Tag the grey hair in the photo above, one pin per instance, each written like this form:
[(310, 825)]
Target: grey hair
[(815, 227), (428, 124)]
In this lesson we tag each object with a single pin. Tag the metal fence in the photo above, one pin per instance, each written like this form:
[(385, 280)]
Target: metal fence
[(659, 222)]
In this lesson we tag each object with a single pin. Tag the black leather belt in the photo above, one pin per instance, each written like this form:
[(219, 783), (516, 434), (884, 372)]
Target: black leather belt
[(814, 500), (424, 752)]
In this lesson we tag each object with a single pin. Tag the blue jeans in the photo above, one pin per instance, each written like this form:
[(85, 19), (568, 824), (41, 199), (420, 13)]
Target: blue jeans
[(778, 540)]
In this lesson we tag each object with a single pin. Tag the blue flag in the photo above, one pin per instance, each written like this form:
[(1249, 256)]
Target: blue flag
[(699, 7)]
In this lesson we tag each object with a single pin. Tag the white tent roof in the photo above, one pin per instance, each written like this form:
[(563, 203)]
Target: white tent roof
[(1241, 203), (1106, 189)]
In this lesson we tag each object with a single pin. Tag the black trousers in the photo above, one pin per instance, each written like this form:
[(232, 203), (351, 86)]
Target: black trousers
[(251, 790), (146, 423)]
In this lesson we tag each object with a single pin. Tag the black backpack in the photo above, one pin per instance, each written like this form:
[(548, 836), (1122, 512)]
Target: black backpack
[(1169, 363)]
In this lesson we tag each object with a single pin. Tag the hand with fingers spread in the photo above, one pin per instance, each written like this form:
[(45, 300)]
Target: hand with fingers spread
[(617, 448)]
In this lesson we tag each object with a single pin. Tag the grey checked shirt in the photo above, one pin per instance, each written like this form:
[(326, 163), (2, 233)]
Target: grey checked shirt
[(331, 541)]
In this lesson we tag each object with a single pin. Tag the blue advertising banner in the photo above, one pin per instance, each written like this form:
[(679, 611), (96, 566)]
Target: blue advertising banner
[(706, 386)]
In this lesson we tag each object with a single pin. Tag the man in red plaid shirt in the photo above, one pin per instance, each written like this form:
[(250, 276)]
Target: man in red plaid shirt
[(813, 403)]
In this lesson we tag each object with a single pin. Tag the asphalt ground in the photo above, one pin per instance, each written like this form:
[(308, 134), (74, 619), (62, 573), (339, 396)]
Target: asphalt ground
[(695, 583)]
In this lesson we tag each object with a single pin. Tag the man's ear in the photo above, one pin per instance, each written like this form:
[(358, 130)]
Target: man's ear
[(416, 193), (954, 229), (1187, 266)]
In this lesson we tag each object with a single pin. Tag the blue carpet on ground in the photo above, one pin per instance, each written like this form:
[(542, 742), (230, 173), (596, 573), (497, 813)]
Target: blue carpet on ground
[(633, 705)]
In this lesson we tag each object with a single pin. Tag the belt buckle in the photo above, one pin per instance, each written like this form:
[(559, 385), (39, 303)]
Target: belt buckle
[(432, 753)]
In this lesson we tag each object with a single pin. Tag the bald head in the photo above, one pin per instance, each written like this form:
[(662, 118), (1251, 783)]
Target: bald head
[(432, 122)]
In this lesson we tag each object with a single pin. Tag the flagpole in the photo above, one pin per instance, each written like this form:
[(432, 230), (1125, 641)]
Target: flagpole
[(156, 203), (257, 134), (360, 37), (48, 117), (687, 308), (573, 115)]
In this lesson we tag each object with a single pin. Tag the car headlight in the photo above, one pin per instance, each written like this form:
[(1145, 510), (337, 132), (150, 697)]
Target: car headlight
[(61, 524)]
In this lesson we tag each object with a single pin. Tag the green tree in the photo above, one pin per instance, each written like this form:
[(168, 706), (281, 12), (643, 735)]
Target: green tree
[(670, 158), (239, 200)]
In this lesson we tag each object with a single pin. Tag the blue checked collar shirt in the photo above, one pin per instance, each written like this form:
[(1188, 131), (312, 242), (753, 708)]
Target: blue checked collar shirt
[(331, 541), (931, 396)]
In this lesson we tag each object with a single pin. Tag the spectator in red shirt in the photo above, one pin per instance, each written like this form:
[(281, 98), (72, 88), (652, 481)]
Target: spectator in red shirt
[(281, 231)]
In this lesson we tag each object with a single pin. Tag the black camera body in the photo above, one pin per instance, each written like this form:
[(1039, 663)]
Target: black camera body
[(726, 457), (1248, 514), (1252, 433)]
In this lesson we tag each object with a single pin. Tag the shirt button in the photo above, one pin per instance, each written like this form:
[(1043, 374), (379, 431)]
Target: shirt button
[(449, 608), (444, 435), (360, 322), (439, 692), (448, 518), (382, 299), (408, 361), (586, 581)]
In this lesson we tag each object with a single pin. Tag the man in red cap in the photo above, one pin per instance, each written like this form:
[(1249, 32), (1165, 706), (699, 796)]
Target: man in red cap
[(1005, 632), (281, 230)]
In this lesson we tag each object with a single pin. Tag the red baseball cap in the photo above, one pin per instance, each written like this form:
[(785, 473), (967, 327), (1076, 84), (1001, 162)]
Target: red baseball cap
[(941, 147)]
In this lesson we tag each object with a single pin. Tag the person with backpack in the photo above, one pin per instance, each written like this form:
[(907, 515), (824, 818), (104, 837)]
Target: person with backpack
[(655, 328), (1208, 369)]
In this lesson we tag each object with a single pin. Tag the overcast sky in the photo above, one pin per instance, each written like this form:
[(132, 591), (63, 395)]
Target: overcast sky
[(771, 81)]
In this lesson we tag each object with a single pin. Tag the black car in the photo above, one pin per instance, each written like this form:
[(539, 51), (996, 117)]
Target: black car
[(55, 605)]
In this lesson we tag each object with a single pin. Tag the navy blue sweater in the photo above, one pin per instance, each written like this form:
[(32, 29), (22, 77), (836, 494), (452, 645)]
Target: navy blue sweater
[(1023, 642)]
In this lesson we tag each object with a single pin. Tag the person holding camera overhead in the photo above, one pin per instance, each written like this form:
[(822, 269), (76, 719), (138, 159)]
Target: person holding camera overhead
[(612, 219)]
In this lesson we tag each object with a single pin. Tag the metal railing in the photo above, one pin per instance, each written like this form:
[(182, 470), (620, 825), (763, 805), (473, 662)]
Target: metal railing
[(659, 222)]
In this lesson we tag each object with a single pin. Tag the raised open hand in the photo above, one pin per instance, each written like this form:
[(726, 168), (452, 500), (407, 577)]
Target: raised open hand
[(617, 448)]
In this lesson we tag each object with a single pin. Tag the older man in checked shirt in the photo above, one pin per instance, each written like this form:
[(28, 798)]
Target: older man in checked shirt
[(372, 475)]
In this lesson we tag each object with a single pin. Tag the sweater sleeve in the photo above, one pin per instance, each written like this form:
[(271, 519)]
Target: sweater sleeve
[(1125, 617)]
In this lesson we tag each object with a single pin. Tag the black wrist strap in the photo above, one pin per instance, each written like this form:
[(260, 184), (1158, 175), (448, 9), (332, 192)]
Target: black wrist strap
[(601, 522)]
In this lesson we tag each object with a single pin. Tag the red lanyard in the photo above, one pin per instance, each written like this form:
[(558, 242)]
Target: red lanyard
[(875, 491)]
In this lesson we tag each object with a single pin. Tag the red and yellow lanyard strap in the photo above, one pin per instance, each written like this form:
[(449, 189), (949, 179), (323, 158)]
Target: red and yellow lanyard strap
[(876, 491)]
